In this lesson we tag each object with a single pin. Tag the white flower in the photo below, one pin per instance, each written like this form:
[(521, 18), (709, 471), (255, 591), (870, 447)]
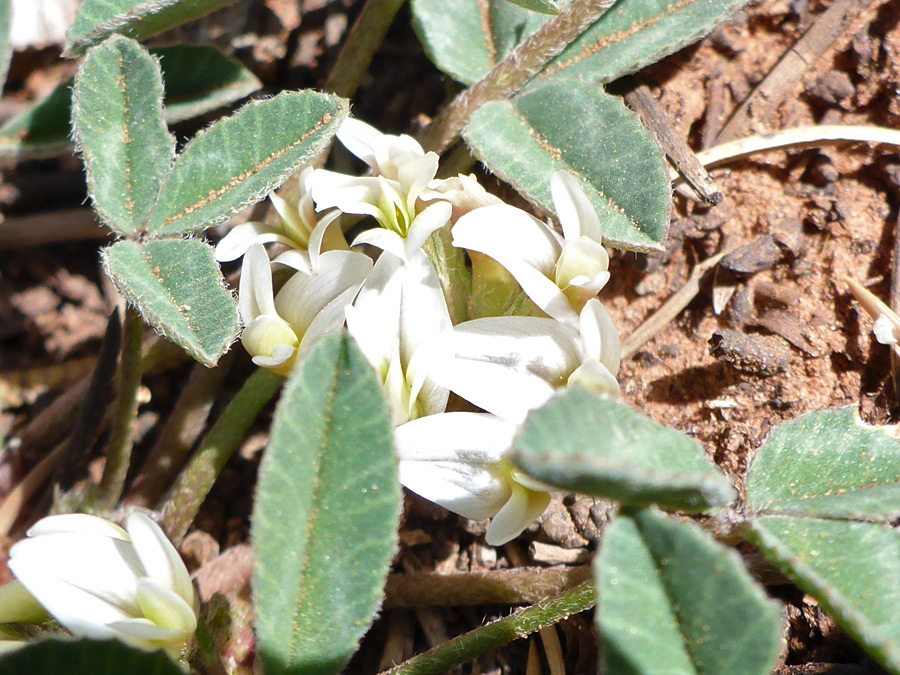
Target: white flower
[(510, 365), (464, 193), (457, 460), (101, 582), (401, 323), (279, 328), (559, 274), (298, 227), (403, 170)]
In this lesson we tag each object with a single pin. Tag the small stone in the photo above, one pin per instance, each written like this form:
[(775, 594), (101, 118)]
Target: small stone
[(788, 234), (760, 254), (833, 86), (756, 354)]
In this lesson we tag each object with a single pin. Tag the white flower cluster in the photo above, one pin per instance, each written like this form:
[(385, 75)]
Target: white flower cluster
[(537, 324)]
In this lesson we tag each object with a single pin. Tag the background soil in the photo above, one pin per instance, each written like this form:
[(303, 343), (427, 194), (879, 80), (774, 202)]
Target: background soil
[(806, 219)]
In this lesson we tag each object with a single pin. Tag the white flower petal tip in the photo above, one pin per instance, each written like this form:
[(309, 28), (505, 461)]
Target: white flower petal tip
[(99, 581), (577, 215), (887, 323)]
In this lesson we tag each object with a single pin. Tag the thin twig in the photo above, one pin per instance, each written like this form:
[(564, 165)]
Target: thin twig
[(198, 477), (895, 305), (50, 228), (671, 307), (361, 45), (500, 632), (513, 72), (118, 454), (180, 432)]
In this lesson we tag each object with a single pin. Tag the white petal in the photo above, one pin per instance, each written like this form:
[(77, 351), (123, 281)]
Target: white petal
[(77, 523), (595, 377), (235, 244), (159, 557), (166, 608), (303, 296), (599, 336), (374, 318), (584, 258), (296, 260), (386, 240), (324, 237), (452, 460), (523, 508), (296, 230), (348, 193), (144, 633), (329, 320), (255, 288), (278, 361), (577, 215), (431, 219), (359, 138), (423, 308), (266, 333), (885, 330), (415, 175)]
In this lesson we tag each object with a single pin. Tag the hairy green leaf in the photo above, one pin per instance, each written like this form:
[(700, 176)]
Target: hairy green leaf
[(594, 445), (578, 127), (240, 159), (98, 19), (84, 657), (671, 599), (542, 6), (120, 130), (629, 36), (6, 49), (850, 568), (326, 513), (829, 464), (179, 289)]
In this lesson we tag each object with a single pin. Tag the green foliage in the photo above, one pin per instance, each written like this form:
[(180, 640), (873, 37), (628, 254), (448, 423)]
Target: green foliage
[(823, 490), (6, 49), (542, 6), (671, 599), (119, 129), (326, 513), (576, 126), (84, 657), (177, 285), (631, 35), (198, 80), (585, 443), (242, 158), (828, 464), (98, 19)]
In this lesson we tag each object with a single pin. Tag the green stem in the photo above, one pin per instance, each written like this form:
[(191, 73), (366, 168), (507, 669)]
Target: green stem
[(513, 72), (500, 632), (363, 41), (118, 455), (198, 477)]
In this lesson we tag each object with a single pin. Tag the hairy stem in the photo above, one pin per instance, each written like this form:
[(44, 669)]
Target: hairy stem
[(198, 477), (118, 454), (500, 632), (363, 41), (513, 72)]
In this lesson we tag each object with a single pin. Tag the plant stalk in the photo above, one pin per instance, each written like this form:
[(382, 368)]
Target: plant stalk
[(118, 454), (366, 36), (500, 632), (197, 479), (513, 72)]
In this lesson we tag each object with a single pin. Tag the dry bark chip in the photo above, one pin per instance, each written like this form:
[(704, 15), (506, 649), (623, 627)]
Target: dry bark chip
[(760, 254), (755, 354)]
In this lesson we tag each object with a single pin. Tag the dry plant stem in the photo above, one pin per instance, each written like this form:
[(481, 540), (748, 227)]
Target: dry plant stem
[(500, 632), (50, 228), (895, 305), (644, 103), (180, 432), (197, 479), (517, 586), (22, 492), (118, 453), (513, 72), (670, 308), (360, 46), (783, 78)]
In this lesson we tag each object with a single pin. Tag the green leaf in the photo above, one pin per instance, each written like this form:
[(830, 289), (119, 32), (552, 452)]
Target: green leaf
[(240, 159), (197, 80), (200, 79), (179, 289), (6, 50), (120, 130), (597, 446), (850, 568), (84, 657), (828, 464), (480, 35), (542, 6), (578, 127), (629, 36), (671, 599), (326, 513), (98, 19)]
